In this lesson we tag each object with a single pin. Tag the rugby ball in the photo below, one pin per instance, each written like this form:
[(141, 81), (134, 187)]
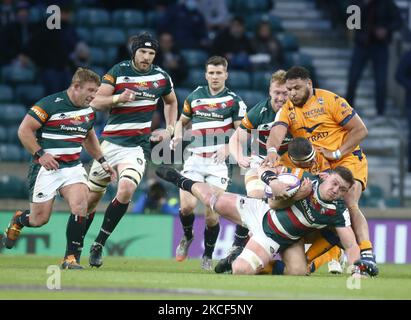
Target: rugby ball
[(289, 179)]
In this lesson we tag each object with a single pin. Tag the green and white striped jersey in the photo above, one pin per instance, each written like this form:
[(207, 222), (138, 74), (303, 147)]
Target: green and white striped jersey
[(261, 118), (129, 124), (286, 226), (64, 127), (212, 117)]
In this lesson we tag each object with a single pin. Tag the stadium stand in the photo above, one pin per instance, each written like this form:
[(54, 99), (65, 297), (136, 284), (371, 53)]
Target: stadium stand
[(28, 94), (6, 93), (128, 18)]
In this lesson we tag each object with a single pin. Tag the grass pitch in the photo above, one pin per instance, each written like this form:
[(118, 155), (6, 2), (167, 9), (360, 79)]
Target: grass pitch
[(26, 277)]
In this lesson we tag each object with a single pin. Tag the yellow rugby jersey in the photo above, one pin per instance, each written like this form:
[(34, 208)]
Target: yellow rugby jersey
[(320, 120)]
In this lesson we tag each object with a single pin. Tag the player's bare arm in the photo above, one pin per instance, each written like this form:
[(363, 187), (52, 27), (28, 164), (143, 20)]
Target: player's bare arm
[(237, 140), (27, 136), (277, 135), (178, 132), (357, 132), (348, 241), (170, 111), (105, 99), (224, 151)]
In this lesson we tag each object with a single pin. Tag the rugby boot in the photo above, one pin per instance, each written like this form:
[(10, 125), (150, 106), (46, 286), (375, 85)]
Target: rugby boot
[(13, 231), (224, 265), (96, 255), (182, 248), (206, 263), (70, 262)]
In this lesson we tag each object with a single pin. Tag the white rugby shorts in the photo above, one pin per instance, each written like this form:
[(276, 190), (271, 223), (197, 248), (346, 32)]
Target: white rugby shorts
[(252, 212), (49, 182), (203, 169)]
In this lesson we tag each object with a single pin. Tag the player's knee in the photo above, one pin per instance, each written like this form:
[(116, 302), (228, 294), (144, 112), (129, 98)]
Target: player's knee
[(125, 190), (186, 209), (248, 262), (241, 266), (211, 219), (296, 270), (79, 208)]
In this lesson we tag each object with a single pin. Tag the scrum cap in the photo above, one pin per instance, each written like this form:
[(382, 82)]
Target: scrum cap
[(143, 40)]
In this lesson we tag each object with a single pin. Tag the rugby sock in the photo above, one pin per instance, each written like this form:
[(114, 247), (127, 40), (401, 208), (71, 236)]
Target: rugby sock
[(23, 219), (333, 253), (364, 245), (278, 267), (275, 267), (75, 234), (171, 175), (186, 184), (240, 236), (187, 222), (210, 238), (324, 242), (114, 212), (89, 220), (366, 249)]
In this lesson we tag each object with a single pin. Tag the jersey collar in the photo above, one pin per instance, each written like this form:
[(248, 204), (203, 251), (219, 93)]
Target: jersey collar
[(215, 95)]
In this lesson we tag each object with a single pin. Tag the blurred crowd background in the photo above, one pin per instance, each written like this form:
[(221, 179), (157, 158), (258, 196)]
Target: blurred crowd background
[(370, 67)]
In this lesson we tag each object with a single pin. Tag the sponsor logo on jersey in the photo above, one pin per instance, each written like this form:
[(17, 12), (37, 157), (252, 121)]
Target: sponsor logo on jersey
[(58, 99), (314, 113), (76, 120), (310, 129), (214, 106), (142, 95), (247, 123), (307, 211), (78, 129), (321, 101), (141, 86), (186, 107), (209, 115), (108, 78), (39, 112), (40, 195), (318, 136)]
